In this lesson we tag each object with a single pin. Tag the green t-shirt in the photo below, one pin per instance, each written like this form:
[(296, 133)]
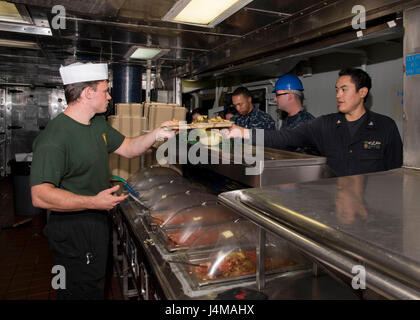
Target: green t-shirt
[(74, 156)]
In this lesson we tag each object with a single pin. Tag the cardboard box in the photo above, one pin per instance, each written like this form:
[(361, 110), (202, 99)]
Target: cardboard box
[(149, 158), (180, 113), (159, 114), (130, 127), (129, 109), (128, 167), (113, 163), (156, 113), (154, 104), (129, 123)]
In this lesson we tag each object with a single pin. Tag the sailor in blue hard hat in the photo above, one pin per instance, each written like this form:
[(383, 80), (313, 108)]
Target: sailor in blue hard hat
[(288, 82), (289, 98)]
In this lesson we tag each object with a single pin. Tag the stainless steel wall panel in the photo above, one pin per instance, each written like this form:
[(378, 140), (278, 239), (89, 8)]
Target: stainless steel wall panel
[(2, 132), (24, 112), (411, 116)]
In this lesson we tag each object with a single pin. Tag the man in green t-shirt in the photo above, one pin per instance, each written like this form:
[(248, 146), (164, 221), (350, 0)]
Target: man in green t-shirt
[(70, 177)]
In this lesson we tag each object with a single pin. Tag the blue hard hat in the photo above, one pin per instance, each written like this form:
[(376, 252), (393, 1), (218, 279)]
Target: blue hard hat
[(288, 82)]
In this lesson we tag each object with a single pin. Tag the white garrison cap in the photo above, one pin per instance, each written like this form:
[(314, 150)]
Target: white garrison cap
[(83, 72)]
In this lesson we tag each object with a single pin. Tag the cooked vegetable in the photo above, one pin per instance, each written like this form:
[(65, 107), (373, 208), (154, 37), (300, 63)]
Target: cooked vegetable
[(236, 264)]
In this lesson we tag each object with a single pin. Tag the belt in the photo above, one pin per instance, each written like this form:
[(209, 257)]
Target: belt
[(69, 213)]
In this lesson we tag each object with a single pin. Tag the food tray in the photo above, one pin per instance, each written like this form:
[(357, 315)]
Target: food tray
[(168, 213), (198, 215), (203, 125), (144, 185), (160, 192), (182, 201), (207, 237), (151, 172), (236, 265)]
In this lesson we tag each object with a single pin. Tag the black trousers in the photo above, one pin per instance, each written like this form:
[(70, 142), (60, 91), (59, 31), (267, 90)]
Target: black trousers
[(79, 243)]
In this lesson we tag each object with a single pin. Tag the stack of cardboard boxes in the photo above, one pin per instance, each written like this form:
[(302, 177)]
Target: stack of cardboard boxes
[(156, 113), (132, 120)]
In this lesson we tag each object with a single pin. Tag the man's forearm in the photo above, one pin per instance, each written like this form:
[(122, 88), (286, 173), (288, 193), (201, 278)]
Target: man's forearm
[(56, 199), (141, 144), (281, 139), (133, 147)]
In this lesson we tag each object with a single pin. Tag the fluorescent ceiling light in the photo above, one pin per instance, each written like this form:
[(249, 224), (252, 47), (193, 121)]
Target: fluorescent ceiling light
[(18, 44), (204, 13), (11, 13), (144, 53)]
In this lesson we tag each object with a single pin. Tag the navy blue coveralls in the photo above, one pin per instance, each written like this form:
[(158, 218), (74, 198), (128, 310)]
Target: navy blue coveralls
[(376, 146)]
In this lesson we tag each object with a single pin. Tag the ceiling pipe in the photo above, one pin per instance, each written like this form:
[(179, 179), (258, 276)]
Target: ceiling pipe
[(148, 71), (143, 26)]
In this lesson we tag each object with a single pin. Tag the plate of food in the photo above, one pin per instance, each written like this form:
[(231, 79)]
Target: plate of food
[(203, 122)]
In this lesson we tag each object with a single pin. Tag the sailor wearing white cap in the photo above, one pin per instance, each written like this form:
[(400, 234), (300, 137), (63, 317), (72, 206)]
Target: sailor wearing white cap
[(83, 72), (70, 177)]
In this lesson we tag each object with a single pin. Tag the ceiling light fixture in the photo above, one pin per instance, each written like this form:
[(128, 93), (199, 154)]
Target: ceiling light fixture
[(144, 53), (18, 44), (16, 18), (204, 13), (9, 12)]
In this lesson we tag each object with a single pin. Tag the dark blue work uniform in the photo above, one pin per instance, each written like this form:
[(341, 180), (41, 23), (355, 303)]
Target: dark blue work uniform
[(291, 122), (256, 119), (376, 145)]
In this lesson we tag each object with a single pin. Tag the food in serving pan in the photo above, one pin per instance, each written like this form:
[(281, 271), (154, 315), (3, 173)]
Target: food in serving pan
[(234, 264), (217, 119), (188, 238), (160, 218), (201, 119), (203, 123), (205, 119), (177, 202), (143, 185), (211, 138), (203, 215), (171, 187), (160, 192), (149, 172), (195, 235)]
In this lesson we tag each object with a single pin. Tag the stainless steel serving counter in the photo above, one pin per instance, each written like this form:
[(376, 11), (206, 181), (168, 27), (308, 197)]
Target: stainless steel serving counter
[(279, 167), (371, 220), (300, 284)]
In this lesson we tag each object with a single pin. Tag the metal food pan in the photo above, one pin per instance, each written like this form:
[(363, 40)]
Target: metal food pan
[(174, 209), (197, 215), (207, 237), (183, 201), (160, 192), (186, 263), (152, 171), (146, 184)]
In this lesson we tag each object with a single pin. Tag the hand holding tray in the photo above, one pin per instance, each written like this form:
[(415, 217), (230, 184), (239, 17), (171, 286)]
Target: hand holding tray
[(201, 125)]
